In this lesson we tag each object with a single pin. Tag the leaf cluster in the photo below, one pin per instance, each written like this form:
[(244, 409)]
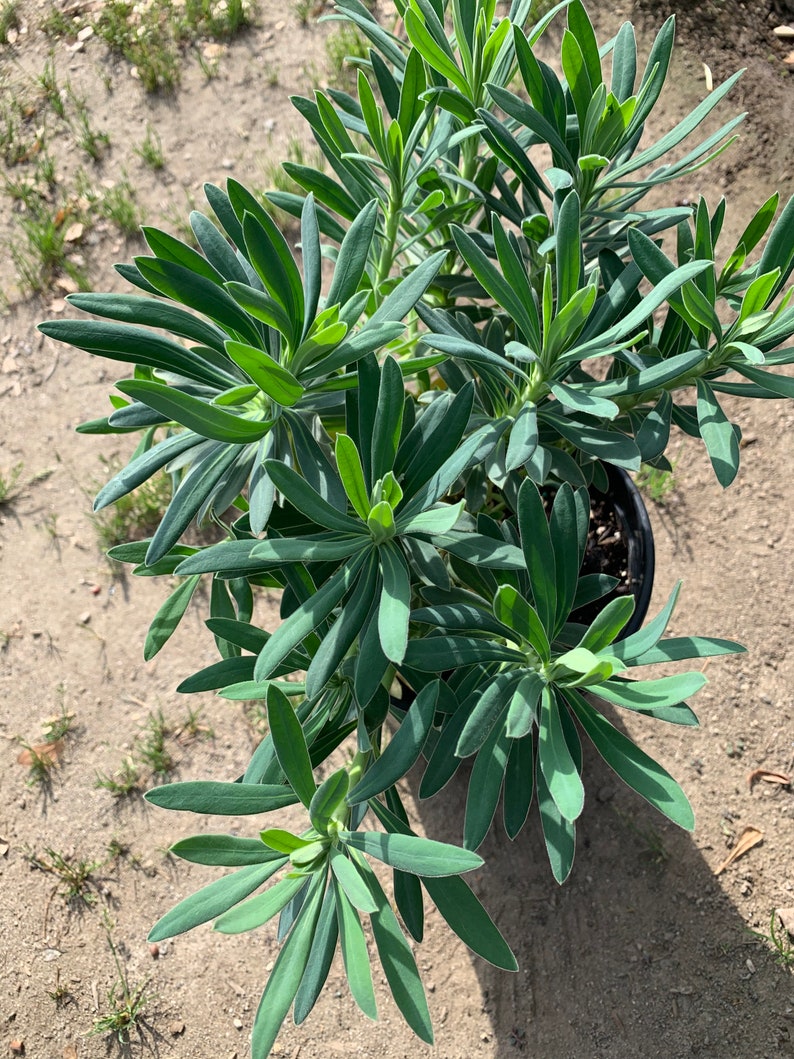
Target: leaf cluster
[(398, 429)]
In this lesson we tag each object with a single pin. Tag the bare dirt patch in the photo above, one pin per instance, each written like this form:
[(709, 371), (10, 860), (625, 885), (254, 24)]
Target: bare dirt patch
[(645, 951)]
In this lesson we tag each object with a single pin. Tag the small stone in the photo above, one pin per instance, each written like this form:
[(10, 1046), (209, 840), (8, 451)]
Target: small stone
[(784, 32), (85, 617), (154, 950), (750, 965), (74, 233), (176, 1029), (789, 60), (17, 1047), (95, 590), (76, 47), (227, 163), (85, 33), (237, 1023)]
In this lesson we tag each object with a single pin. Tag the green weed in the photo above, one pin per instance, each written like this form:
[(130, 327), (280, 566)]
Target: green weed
[(345, 48), (89, 139), (118, 206), (75, 876), (9, 18), (40, 251), (60, 993), (53, 93), (59, 26), (123, 782), (151, 747), (10, 488), (779, 940), (655, 483), (151, 150), (125, 1003)]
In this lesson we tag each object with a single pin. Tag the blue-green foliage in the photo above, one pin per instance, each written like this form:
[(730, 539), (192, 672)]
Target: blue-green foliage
[(397, 428)]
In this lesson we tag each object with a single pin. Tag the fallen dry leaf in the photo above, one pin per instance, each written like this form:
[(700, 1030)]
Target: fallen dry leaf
[(750, 837), (769, 777), (48, 752)]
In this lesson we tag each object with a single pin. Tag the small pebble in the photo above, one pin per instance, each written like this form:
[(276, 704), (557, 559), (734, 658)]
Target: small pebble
[(238, 1025)]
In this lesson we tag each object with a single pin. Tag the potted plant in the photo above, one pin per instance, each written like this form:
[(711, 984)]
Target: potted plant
[(399, 433)]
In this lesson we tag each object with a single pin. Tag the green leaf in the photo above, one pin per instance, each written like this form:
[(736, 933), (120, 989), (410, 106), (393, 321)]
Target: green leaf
[(269, 253), (320, 959), (403, 750), (307, 500), (136, 345), (718, 433), (652, 694), (419, 856), (460, 908), (398, 962), (349, 877), (559, 834), (489, 711), (606, 627), (222, 799), (290, 745), (328, 799), (523, 437), (523, 709), (387, 426), (485, 784), (151, 312), (538, 552), (568, 256), (260, 909), (169, 616), (519, 785), (435, 654), (351, 472), (351, 260), (395, 603), (556, 762), (267, 373), (212, 900), (224, 851), (512, 610), (492, 280), (634, 767), (354, 953), (208, 420), (288, 970), (183, 285), (303, 621)]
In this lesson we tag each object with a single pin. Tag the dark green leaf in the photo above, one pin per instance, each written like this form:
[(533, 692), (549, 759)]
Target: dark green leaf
[(290, 745)]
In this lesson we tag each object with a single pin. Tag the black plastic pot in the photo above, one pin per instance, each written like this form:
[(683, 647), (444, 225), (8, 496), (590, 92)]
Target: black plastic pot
[(635, 527)]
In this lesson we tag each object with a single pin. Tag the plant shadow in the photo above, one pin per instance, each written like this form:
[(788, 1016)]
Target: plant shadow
[(640, 953)]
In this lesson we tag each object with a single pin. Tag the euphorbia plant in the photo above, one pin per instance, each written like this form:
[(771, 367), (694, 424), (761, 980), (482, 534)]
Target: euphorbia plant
[(402, 441)]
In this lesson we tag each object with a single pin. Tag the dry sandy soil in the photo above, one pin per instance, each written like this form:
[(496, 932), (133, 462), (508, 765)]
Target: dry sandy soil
[(646, 951)]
